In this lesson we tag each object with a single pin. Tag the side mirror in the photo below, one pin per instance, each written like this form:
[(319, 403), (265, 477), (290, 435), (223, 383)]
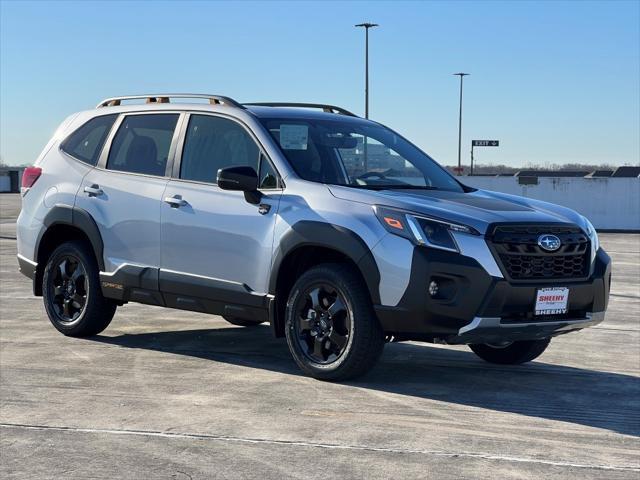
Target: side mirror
[(244, 179)]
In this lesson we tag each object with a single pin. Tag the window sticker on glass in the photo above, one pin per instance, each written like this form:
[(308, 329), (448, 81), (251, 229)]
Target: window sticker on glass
[(294, 137)]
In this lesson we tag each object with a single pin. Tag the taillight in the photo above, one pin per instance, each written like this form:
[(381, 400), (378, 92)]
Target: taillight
[(29, 177)]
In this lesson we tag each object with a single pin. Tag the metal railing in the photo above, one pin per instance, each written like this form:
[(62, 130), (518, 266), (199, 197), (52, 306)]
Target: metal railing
[(218, 100), (165, 98), (324, 107)]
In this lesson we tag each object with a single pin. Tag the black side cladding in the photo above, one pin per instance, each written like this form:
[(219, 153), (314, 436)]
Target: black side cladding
[(309, 233), (76, 217), (73, 217), (340, 239)]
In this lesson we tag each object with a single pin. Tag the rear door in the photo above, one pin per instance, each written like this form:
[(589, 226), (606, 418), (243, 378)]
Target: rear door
[(123, 195), (215, 244)]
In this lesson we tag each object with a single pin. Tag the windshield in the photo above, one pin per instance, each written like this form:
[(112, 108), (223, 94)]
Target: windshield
[(356, 154)]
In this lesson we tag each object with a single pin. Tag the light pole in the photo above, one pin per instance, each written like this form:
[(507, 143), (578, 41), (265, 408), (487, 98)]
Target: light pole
[(366, 27), (461, 75)]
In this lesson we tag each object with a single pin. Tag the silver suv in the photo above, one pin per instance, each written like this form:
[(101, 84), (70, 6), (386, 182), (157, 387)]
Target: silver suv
[(335, 230)]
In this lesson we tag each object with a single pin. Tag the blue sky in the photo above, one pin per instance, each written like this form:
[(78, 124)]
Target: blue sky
[(555, 82)]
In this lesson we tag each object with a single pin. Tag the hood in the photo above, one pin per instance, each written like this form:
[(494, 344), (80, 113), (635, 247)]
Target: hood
[(477, 209)]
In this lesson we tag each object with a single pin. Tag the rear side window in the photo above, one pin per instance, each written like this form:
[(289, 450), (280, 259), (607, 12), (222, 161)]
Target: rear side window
[(142, 144), (212, 143), (86, 143)]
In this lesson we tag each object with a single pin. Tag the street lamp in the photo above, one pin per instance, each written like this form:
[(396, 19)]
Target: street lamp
[(461, 75), (366, 27)]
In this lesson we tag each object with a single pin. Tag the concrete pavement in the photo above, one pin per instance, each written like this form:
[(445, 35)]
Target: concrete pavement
[(170, 394)]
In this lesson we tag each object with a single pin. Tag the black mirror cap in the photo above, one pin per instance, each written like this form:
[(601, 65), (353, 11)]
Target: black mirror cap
[(244, 179)]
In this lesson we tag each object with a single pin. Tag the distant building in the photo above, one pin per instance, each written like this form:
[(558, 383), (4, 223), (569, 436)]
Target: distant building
[(620, 172), (626, 172), (10, 178), (549, 173), (600, 173)]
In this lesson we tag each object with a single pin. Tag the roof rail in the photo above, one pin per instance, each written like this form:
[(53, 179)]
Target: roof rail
[(164, 98), (325, 108)]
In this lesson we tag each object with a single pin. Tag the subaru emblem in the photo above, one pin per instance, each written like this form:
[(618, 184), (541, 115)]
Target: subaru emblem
[(548, 242)]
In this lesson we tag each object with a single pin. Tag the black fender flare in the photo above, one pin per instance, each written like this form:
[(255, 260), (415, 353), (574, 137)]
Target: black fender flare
[(78, 218), (319, 234)]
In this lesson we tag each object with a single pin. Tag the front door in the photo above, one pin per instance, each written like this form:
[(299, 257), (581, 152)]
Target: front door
[(215, 245)]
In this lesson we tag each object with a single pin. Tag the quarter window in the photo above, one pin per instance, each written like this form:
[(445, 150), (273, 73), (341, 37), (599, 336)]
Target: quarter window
[(212, 143), (86, 143), (268, 176), (142, 144)]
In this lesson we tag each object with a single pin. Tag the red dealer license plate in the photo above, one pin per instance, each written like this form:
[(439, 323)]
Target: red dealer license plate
[(552, 301)]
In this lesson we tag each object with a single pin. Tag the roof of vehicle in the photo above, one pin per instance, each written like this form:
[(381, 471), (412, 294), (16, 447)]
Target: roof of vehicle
[(300, 113), (176, 101)]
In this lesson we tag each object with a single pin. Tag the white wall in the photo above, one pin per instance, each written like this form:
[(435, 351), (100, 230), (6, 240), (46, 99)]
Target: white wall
[(610, 203)]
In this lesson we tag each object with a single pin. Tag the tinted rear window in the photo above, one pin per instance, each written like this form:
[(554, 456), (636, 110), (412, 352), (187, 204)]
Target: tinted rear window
[(142, 144), (86, 143)]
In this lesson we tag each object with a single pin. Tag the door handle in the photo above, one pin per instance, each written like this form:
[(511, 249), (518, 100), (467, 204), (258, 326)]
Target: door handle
[(93, 191), (175, 202)]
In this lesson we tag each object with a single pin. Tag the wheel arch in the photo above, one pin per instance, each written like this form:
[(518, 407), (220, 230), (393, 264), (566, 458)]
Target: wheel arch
[(310, 243), (61, 224)]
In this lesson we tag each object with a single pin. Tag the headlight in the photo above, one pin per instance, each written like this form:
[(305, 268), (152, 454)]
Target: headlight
[(593, 237), (430, 232)]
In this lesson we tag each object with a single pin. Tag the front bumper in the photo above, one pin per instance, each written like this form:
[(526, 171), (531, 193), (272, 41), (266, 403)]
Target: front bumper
[(477, 307), (495, 329)]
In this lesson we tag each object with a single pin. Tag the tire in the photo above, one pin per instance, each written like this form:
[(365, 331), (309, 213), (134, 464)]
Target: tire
[(241, 322), (342, 338), (512, 354), (72, 274)]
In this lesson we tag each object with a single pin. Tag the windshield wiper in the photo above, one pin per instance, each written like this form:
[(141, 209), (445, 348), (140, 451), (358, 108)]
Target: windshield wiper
[(411, 187), (393, 187)]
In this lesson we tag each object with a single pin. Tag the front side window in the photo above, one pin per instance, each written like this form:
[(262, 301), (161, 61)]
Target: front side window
[(142, 144), (212, 143), (356, 153), (86, 143)]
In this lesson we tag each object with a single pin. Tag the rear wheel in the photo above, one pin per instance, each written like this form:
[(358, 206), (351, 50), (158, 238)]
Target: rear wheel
[(71, 292), (511, 353), (331, 328), (241, 322)]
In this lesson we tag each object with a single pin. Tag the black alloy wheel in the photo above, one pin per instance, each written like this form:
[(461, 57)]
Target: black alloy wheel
[(71, 291), (69, 288), (323, 323), (331, 327)]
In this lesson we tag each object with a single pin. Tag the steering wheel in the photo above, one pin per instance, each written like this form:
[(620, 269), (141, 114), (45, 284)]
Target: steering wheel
[(366, 175)]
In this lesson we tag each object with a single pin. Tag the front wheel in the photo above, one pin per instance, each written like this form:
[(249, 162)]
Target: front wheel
[(511, 353), (331, 328)]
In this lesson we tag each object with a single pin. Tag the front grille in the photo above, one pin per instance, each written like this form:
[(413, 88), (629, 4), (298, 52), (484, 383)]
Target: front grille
[(516, 246)]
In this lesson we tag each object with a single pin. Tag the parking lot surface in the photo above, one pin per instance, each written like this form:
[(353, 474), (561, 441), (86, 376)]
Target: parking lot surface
[(171, 394)]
